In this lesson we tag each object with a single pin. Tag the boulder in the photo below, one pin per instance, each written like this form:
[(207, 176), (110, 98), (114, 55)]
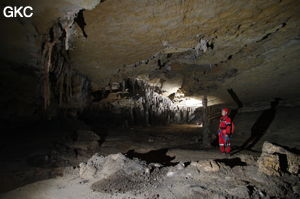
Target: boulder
[(272, 148), (275, 160), (293, 161), (269, 164)]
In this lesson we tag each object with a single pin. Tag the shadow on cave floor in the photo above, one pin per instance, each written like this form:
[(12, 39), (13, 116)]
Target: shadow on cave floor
[(260, 127), (154, 156), (232, 162)]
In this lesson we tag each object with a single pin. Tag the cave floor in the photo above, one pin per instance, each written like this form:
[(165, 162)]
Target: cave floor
[(46, 151), (44, 154), (181, 141), (180, 174)]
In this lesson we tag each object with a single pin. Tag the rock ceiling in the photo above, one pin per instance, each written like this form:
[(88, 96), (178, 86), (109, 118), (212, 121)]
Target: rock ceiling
[(200, 46)]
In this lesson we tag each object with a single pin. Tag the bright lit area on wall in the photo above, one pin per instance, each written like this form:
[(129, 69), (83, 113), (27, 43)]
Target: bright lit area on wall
[(190, 102)]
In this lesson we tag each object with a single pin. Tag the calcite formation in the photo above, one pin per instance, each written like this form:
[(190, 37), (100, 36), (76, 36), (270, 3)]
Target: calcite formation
[(138, 102)]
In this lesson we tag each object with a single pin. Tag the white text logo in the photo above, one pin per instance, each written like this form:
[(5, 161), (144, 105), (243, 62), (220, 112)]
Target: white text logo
[(21, 11)]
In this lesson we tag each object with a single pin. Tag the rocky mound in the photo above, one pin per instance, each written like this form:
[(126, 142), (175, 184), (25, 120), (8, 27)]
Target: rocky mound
[(237, 177)]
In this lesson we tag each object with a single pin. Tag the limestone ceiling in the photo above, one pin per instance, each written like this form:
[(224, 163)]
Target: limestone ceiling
[(203, 46), (253, 46)]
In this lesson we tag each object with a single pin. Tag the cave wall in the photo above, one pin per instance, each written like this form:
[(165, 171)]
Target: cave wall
[(35, 63)]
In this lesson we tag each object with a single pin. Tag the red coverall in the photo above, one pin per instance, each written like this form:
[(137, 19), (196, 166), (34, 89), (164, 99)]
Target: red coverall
[(224, 132)]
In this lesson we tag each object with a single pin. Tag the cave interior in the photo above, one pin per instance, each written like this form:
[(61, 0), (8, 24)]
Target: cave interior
[(146, 80)]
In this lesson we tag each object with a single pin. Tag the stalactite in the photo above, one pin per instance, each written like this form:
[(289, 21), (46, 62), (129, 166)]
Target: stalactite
[(47, 67), (58, 74)]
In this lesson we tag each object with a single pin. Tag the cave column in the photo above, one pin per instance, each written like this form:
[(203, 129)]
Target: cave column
[(206, 141)]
